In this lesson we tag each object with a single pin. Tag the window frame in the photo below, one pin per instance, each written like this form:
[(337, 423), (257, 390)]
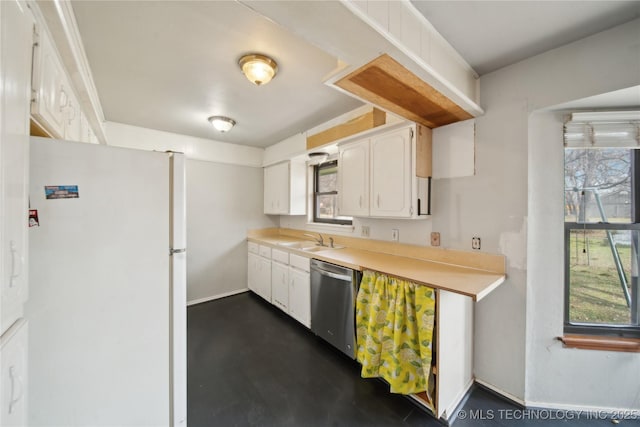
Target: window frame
[(629, 330), (316, 174)]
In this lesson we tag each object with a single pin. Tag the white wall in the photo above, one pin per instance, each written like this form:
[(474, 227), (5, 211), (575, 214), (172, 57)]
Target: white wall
[(223, 202), (411, 232), (129, 136), (515, 350)]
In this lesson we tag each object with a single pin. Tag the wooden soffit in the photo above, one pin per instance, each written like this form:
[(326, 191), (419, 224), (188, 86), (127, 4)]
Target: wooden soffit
[(388, 84), (370, 120)]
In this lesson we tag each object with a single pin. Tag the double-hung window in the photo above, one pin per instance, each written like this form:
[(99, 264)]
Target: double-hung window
[(602, 228), (325, 194)]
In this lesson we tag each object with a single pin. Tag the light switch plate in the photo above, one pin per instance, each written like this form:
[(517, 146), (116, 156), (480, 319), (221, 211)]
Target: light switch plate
[(435, 238)]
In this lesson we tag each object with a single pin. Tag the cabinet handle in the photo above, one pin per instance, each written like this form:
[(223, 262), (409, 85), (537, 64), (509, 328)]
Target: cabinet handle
[(16, 263), (64, 99), (378, 200), (360, 202), (16, 384), (72, 117)]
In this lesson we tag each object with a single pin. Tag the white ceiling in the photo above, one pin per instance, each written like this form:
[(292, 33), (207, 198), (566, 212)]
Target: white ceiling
[(168, 65), (493, 34)]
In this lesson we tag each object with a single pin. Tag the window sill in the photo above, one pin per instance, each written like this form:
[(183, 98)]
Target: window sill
[(587, 342), (330, 227)]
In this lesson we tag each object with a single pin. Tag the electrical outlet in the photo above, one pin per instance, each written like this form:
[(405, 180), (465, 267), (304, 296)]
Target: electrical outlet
[(435, 239), (364, 231), (475, 243), (395, 234)]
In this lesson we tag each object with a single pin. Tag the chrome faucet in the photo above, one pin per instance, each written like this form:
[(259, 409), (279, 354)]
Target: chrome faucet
[(319, 240)]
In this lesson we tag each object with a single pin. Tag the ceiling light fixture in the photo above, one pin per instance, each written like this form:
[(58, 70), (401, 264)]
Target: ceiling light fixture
[(221, 123), (259, 69)]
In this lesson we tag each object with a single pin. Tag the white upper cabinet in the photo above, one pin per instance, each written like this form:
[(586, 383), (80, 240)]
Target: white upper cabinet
[(353, 179), (73, 121), (386, 175), (51, 94), (285, 188), (15, 67), (392, 171), (54, 106)]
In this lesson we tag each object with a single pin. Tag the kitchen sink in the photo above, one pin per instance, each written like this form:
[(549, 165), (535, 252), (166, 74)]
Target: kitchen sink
[(317, 248), (298, 245), (308, 246)]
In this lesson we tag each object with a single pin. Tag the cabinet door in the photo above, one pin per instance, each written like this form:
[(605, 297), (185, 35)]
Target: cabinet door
[(353, 179), (253, 272), (52, 93), (300, 296), (16, 41), (264, 279), (269, 191), (276, 189), (73, 120), (280, 285), (391, 174), (13, 378)]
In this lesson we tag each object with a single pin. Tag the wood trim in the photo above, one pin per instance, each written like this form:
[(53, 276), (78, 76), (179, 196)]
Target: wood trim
[(36, 130), (590, 342), (387, 83), (370, 120), (424, 151)]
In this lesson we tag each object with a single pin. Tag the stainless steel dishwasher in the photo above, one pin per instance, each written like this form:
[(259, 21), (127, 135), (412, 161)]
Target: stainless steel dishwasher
[(333, 298)]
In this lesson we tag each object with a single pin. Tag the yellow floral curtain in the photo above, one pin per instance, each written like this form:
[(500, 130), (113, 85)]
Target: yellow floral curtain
[(394, 321)]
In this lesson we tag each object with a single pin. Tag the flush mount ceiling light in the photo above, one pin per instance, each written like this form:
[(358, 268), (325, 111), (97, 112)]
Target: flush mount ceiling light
[(259, 69), (221, 123), (318, 156)]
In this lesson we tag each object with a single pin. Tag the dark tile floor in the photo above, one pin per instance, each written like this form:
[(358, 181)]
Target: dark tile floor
[(249, 364)]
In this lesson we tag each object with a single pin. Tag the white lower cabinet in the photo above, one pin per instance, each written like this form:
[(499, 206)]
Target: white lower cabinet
[(259, 270), (281, 278), (280, 285), (13, 375), (264, 278), (300, 290), (253, 272)]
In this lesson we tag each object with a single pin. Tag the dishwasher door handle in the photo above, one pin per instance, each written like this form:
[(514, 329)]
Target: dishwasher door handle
[(342, 277)]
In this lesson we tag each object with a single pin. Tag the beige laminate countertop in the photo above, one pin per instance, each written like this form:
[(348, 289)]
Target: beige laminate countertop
[(454, 278)]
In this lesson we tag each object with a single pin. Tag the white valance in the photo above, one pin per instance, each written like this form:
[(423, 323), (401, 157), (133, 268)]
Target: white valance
[(605, 129)]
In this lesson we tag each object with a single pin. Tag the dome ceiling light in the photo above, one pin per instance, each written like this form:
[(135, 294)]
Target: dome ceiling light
[(259, 69), (221, 123)]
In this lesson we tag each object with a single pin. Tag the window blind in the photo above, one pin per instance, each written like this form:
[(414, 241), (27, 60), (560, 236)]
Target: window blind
[(605, 129)]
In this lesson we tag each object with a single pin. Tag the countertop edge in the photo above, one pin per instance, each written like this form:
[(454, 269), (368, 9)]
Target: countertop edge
[(276, 243)]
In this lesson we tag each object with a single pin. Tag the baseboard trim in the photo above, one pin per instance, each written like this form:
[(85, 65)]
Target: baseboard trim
[(215, 297), (598, 411), (503, 394)]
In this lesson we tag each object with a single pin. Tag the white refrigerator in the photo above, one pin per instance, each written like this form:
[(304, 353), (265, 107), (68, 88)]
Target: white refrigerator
[(107, 307)]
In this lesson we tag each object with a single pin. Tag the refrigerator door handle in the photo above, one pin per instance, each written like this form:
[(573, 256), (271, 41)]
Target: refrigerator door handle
[(177, 251)]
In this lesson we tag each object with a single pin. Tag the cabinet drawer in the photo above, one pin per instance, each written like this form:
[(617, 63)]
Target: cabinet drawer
[(265, 251), (254, 248), (299, 262), (280, 256)]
